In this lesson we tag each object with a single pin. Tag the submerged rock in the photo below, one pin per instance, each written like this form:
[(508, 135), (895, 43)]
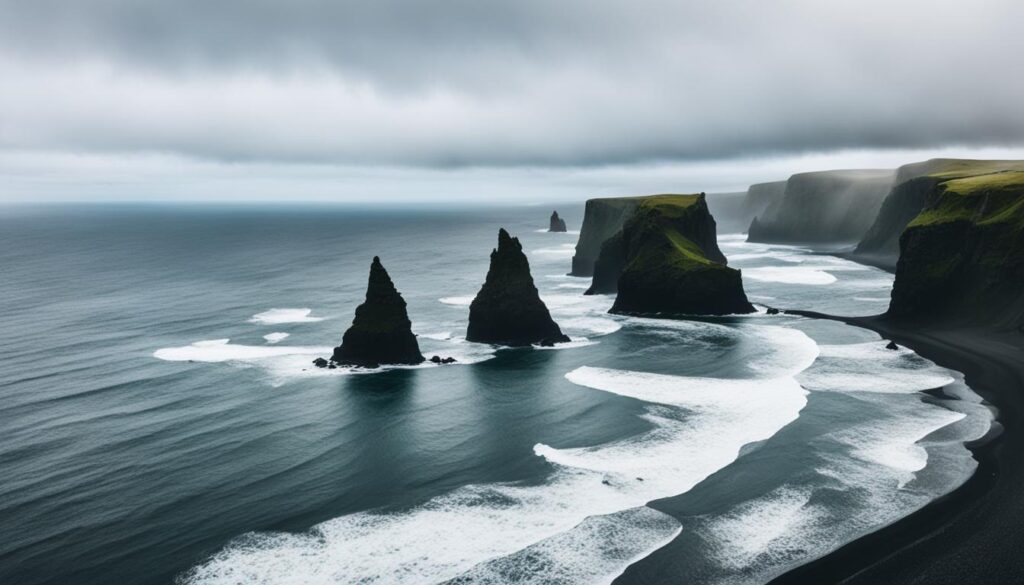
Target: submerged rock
[(320, 362), (381, 332), (508, 309), (557, 223), (892, 345)]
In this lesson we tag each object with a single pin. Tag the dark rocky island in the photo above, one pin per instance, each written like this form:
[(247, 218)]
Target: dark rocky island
[(557, 223), (508, 309), (822, 207), (381, 332), (665, 261)]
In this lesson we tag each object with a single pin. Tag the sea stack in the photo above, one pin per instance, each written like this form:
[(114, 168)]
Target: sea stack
[(666, 262), (381, 332), (557, 223), (508, 309)]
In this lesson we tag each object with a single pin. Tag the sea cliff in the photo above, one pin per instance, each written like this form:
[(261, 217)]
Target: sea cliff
[(962, 257), (914, 182), (823, 207), (601, 219)]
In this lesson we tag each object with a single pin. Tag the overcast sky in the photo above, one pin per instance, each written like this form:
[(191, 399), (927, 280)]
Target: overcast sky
[(523, 100)]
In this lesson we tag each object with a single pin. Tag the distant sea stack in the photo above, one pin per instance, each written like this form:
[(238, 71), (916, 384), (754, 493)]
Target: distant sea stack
[(962, 256), (668, 262), (508, 309), (381, 332), (601, 219), (557, 223), (823, 207)]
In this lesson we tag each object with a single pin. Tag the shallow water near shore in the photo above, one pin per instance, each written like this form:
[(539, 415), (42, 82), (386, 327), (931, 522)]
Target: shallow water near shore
[(163, 421)]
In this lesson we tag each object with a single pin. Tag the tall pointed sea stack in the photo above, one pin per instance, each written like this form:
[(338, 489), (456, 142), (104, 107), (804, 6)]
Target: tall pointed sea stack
[(557, 223), (508, 309), (381, 332)]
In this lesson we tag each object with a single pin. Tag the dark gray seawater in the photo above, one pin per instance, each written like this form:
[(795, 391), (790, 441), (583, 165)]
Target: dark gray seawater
[(156, 429)]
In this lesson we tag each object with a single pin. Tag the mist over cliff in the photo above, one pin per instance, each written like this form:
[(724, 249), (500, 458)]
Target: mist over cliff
[(820, 207)]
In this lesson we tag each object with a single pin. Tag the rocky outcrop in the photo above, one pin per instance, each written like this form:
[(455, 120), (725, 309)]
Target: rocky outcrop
[(823, 207), (381, 332), (686, 214), (508, 309), (881, 244), (670, 262), (962, 257), (557, 223), (601, 219)]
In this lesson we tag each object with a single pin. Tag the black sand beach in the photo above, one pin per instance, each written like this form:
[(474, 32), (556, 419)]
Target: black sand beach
[(976, 534)]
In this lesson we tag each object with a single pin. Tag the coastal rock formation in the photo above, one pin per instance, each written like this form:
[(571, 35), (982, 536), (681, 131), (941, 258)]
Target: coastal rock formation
[(823, 207), (881, 244), (601, 219), (686, 214), (508, 309), (962, 257), (381, 332), (670, 263), (557, 223)]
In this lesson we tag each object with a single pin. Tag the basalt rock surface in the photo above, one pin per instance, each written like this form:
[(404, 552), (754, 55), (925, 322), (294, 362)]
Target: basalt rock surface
[(508, 309), (557, 223), (381, 332)]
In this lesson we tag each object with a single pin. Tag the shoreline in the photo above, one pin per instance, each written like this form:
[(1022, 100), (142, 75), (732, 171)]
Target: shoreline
[(984, 517)]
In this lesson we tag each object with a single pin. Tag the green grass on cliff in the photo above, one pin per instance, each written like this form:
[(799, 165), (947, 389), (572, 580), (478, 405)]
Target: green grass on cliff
[(675, 250), (988, 198)]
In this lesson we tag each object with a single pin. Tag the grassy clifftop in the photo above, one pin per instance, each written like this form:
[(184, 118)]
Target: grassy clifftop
[(670, 263), (962, 255)]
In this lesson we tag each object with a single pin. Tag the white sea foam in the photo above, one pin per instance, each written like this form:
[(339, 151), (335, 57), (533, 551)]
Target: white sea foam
[(870, 367), (457, 301), (789, 275), (279, 316), (221, 350), (488, 532), (275, 337), (589, 325), (575, 285), (575, 342), (564, 251), (437, 336)]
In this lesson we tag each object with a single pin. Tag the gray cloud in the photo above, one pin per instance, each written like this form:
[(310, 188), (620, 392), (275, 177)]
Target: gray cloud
[(470, 83)]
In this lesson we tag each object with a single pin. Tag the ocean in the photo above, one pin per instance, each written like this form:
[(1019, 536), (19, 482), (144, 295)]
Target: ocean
[(162, 421)]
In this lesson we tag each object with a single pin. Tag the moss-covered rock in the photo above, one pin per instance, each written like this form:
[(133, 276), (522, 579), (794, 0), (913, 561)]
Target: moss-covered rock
[(962, 257), (381, 332), (914, 182), (556, 224), (664, 271), (508, 309), (686, 214)]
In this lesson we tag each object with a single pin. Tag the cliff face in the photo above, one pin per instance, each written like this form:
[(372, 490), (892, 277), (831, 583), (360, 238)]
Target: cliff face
[(601, 219), (914, 182), (687, 215), (666, 270), (508, 309), (760, 197), (823, 207), (962, 257), (381, 332), (557, 224)]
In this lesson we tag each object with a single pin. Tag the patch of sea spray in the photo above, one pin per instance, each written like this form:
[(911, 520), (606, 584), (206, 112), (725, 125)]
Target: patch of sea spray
[(487, 533)]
